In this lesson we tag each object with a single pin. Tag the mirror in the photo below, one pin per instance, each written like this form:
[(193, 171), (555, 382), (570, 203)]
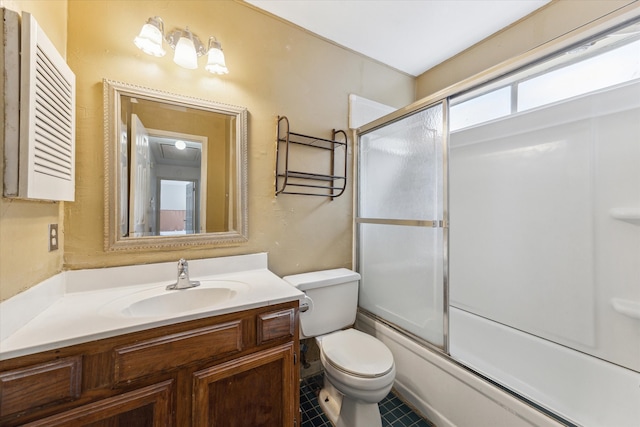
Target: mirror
[(175, 170)]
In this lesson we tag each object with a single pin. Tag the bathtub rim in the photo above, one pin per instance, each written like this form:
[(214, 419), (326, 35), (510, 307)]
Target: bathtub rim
[(480, 383)]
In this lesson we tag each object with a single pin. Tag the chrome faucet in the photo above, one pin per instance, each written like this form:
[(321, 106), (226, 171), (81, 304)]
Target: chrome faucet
[(183, 281)]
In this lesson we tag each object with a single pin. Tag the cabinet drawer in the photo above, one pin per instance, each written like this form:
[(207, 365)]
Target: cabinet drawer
[(52, 382), (148, 406), (171, 351), (279, 324)]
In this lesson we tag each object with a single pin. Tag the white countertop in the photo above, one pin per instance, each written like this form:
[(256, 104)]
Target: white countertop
[(89, 309)]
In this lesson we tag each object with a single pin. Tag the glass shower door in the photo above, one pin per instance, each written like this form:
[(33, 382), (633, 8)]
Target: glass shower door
[(400, 222)]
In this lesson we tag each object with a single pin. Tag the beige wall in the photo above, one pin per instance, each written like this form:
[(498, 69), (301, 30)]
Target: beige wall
[(554, 20), (274, 69), (24, 256)]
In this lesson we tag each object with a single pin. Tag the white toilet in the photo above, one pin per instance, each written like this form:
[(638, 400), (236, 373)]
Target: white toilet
[(358, 368)]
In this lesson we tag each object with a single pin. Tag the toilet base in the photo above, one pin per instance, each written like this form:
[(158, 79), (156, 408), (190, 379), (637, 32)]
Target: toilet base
[(344, 411), (359, 414), (330, 401)]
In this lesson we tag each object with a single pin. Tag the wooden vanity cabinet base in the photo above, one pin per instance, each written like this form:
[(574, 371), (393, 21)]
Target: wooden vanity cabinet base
[(237, 369), (254, 386)]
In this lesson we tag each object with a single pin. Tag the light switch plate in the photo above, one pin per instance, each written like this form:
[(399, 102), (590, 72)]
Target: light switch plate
[(53, 237)]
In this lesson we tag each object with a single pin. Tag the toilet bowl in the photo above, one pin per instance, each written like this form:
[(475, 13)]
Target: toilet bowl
[(358, 368), (359, 372)]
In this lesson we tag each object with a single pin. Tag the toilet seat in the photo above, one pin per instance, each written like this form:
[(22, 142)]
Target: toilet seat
[(356, 353)]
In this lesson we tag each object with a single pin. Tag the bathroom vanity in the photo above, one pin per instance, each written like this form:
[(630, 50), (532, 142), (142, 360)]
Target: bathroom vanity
[(232, 364)]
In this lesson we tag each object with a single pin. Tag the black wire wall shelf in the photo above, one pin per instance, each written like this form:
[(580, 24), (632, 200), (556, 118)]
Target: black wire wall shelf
[(295, 158)]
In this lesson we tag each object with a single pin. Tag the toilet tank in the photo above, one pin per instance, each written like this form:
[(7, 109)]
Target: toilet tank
[(332, 296)]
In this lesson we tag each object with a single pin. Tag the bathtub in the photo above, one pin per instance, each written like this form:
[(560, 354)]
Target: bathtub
[(592, 393), (581, 388)]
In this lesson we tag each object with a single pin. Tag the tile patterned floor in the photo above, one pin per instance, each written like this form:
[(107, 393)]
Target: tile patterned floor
[(395, 413)]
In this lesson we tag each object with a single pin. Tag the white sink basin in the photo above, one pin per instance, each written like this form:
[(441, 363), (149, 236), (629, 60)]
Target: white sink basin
[(159, 302), (175, 302)]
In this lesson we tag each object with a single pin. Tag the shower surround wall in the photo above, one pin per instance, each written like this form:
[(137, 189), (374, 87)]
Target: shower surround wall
[(540, 259)]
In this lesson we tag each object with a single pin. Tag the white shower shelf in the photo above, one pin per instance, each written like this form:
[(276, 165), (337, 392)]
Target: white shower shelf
[(626, 307), (631, 215)]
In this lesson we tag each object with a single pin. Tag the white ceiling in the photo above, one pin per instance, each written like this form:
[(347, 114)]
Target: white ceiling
[(409, 35)]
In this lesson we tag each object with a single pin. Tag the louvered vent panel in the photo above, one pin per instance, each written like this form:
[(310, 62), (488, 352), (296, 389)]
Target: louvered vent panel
[(53, 148), (47, 140)]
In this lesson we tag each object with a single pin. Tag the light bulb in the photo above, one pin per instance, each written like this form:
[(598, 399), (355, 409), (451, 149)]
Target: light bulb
[(186, 55), (215, 61), (150, 38)]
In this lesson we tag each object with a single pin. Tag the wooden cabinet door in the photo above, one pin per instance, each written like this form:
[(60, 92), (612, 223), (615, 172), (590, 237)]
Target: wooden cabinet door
[(257, 390), (146, 407)]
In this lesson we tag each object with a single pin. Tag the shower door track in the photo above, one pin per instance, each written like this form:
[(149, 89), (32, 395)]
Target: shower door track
[(413, 337)]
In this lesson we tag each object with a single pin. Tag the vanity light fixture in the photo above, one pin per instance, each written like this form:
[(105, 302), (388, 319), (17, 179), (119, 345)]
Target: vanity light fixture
[(215, 58), (186, 45), (187, 48), (150, 38)]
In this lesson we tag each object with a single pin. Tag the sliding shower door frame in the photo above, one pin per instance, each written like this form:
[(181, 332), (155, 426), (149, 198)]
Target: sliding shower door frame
[(608, 23), (434, 223)]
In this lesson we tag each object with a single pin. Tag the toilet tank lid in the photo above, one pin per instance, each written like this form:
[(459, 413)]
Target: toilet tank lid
[(318, 279)]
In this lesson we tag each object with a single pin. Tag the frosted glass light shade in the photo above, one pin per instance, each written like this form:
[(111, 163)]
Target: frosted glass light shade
[(215, 62), (186, 45), (185, 55), (150, 38)]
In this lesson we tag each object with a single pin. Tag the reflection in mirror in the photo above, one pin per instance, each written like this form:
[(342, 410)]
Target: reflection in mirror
[(175, 169)]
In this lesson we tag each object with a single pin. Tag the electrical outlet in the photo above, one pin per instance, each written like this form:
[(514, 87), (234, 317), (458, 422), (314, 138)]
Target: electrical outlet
[(53, 237)]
